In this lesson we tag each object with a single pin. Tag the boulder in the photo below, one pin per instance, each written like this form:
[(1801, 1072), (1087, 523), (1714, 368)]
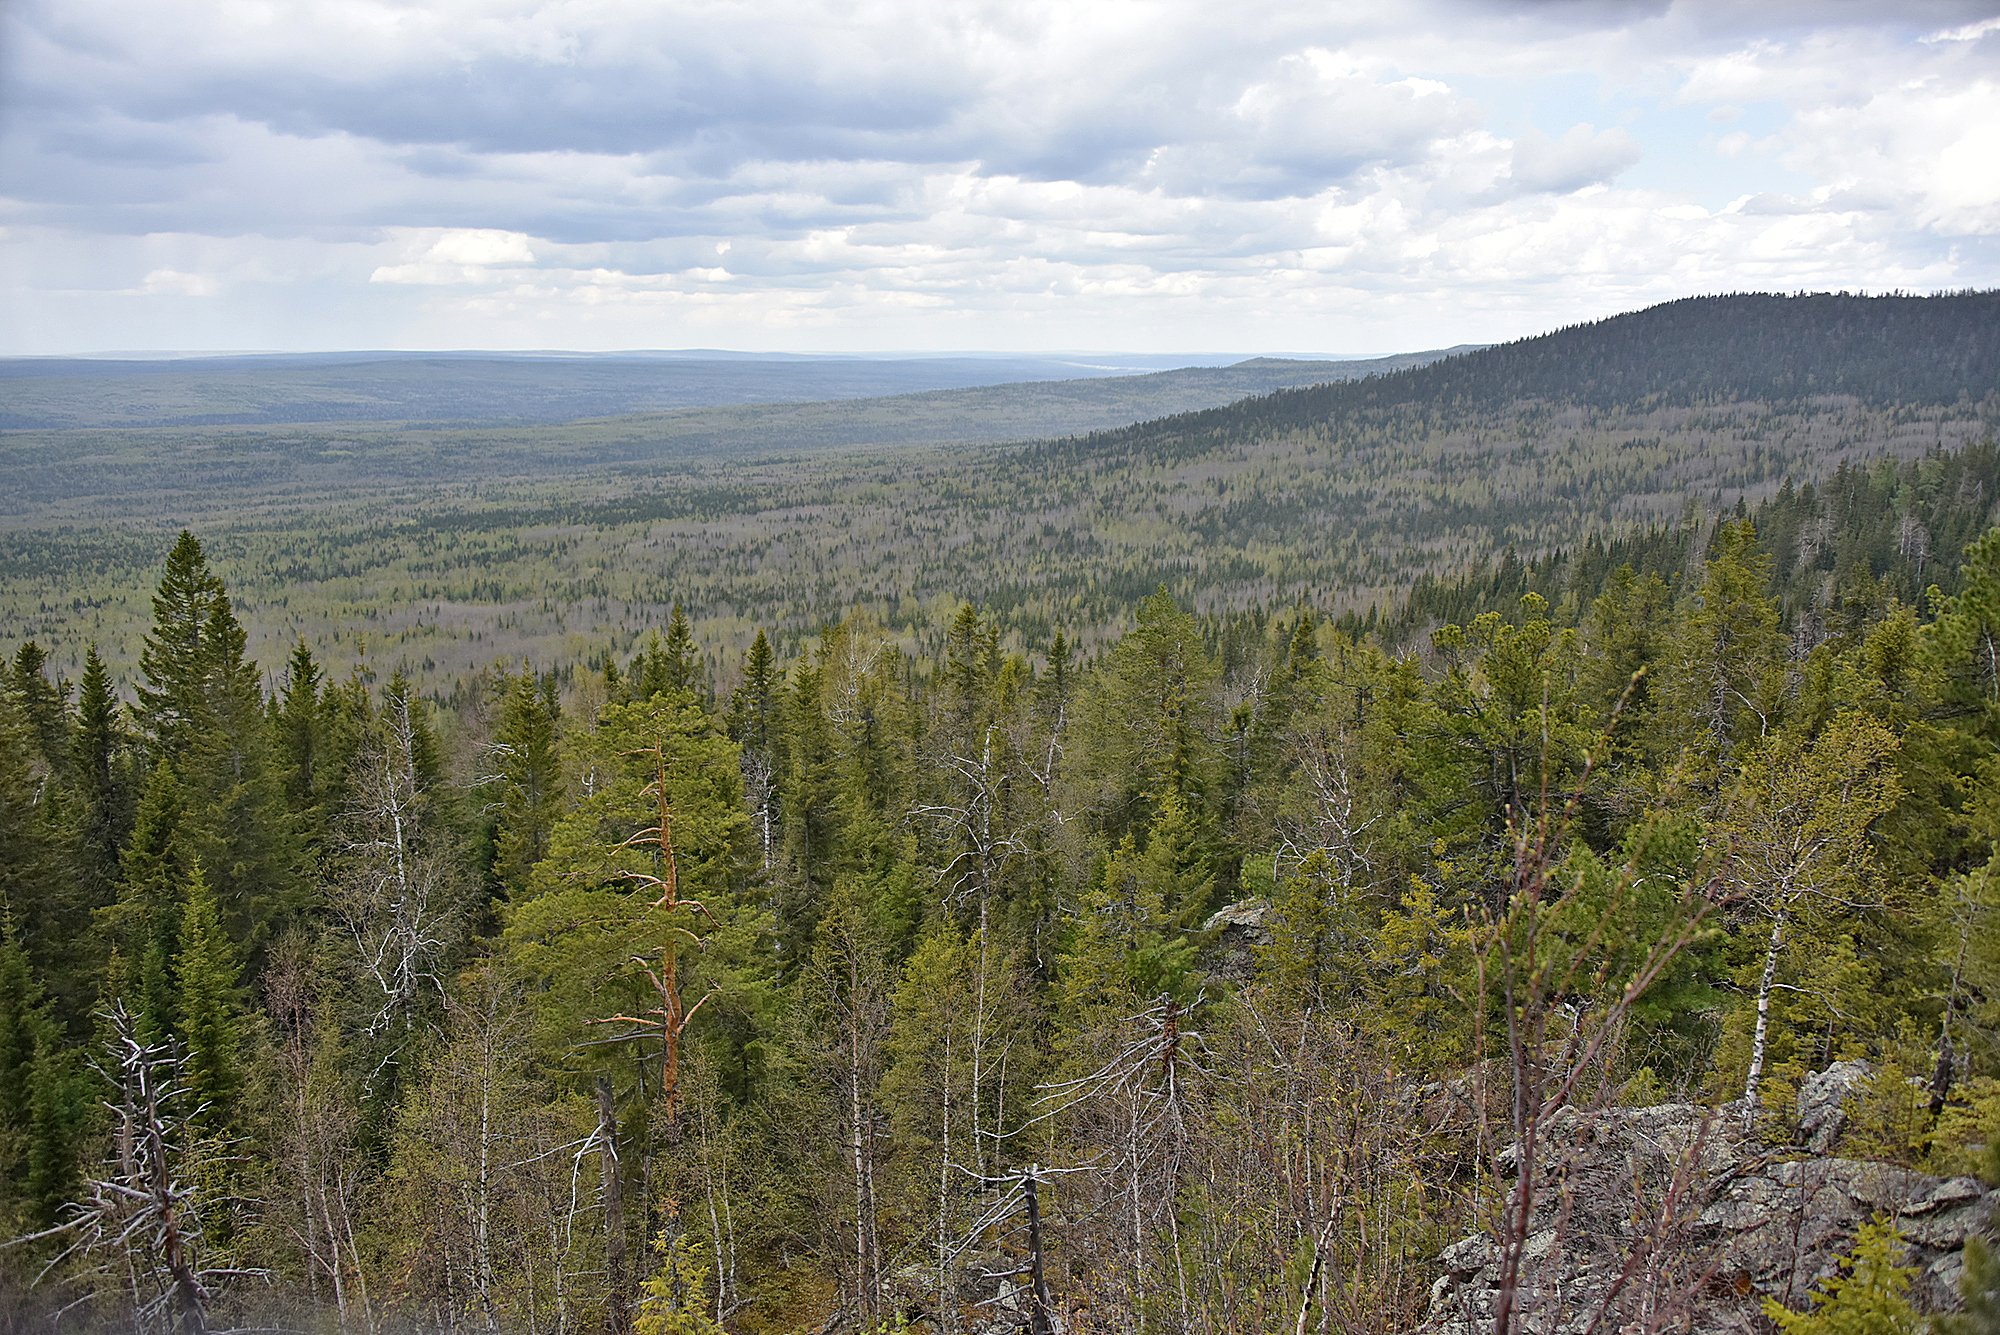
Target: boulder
[(1668, 1218)]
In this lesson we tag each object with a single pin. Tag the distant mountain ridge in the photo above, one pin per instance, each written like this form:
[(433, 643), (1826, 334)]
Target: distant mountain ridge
[(1038, 501), (472, 389), (1879, 351)]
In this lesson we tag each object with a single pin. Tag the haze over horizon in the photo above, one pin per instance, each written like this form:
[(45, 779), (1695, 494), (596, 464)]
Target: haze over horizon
[(178, 175)]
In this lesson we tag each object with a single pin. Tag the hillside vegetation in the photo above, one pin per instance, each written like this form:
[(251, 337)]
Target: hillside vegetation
[(1244, 960), (442, 550), (620, 998)]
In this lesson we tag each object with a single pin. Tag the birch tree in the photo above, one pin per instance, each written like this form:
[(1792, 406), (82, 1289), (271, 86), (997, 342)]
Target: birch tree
[(1796, 831)]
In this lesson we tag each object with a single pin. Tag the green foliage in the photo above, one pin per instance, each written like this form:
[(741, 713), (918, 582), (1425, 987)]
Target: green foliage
[(1979, 1289), (180, 662), (929, 904), (1421, 961), (672, 1301), (1147, 727), (527, 750), (1869, 1297), (209, 1007), (45, 1098)]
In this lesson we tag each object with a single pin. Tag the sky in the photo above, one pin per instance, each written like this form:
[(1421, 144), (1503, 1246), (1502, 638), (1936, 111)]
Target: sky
[(941, 175)]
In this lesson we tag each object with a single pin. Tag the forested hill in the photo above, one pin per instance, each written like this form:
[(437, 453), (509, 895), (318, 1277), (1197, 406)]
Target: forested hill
[(1216, 961), (438, 550), (1702, 351)]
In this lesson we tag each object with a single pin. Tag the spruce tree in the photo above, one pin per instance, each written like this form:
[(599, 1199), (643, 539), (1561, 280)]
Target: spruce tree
[(1730, 656), (201, 709), (683, 659), (102, 775), (176, 701), (145, 920), (45, 1098), (34, 888), (45, 706), (209, 1007), (530, 780), (300, 734)]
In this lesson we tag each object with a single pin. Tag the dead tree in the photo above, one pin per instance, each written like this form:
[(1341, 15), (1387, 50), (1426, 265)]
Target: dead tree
[(397, 897), (1141, 1101), (137, 1227)]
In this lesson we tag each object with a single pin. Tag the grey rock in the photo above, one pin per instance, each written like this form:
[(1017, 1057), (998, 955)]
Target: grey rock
[(1668, 1218), (1824, 1097), (1231, 937)]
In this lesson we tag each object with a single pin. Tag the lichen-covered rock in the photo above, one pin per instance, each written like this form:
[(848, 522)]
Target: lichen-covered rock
[(1824, 1097), (1667, 1218), (1231, 938)]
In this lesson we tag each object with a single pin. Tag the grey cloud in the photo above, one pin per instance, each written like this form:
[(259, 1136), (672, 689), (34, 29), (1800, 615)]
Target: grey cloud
[(1583, 156), (1735, 17), (717, 100), (1270, 151)]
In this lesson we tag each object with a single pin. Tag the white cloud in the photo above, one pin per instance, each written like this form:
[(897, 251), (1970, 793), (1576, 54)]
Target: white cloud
[(172, 282), (1583, 156), (457, 255), (915, 173)]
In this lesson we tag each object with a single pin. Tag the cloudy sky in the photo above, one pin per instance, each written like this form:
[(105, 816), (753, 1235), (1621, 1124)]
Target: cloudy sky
[(1301, 175)]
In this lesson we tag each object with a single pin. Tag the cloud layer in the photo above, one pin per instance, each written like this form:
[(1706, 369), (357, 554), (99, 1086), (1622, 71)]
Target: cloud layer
[(906, 173)]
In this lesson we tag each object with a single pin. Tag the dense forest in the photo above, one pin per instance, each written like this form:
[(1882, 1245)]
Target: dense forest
[(442, 550), (1215, 977)]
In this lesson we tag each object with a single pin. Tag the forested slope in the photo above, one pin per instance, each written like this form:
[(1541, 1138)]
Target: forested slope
[(624, 995), (1700, 351), (1086, 823), (449, 550)]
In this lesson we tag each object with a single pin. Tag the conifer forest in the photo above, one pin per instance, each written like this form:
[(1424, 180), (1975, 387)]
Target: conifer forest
[(1249, 897)]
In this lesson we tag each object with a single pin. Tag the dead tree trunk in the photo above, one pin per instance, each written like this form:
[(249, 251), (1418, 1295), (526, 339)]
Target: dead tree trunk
[(613, 1184)]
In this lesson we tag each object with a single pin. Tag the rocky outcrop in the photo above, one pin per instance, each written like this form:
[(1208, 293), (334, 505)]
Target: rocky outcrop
[(1670, 1217), (1231, 938)]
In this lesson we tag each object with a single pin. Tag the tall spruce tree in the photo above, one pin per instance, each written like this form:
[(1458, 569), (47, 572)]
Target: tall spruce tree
[(209, 1008), (528, 770), (201, 709), (100, 764)]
